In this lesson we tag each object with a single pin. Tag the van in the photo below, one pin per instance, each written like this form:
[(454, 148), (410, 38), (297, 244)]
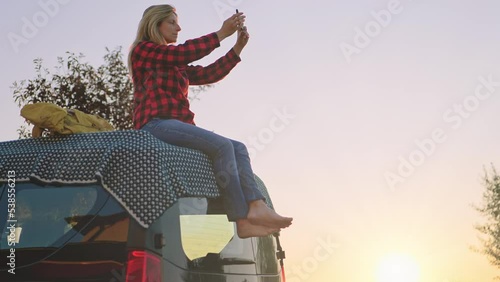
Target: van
[(120, 206)]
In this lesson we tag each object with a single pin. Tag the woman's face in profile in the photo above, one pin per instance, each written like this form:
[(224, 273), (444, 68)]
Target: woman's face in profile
[(169, 28)]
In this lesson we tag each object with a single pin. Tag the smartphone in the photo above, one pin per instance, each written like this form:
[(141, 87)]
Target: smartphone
[(241, 28)]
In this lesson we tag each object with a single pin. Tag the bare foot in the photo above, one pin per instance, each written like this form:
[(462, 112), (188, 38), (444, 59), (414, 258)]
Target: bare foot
[(245, 229), (260, 214)]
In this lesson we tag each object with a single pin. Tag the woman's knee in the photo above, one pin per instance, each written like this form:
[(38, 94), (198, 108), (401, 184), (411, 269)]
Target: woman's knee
[(224, 148), (226, 145), (239, 147)]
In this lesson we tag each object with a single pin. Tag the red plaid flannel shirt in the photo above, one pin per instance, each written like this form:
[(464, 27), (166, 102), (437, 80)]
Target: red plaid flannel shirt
[(162, 76)]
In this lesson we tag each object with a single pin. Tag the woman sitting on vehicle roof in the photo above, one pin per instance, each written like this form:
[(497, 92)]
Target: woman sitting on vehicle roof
[(161, 76)]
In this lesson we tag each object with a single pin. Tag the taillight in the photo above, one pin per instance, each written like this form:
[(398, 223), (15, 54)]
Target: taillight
[(283, 278), (280, 254), (143, 267)]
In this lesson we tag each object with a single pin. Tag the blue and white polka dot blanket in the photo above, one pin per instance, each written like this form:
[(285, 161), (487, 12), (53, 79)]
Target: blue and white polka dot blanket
[(144, 174)]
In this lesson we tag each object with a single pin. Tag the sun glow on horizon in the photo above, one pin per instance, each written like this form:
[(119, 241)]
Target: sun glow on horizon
[(398, 268)]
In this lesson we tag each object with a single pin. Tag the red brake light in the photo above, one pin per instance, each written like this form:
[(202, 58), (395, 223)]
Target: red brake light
[(283, 274), (143, 267)]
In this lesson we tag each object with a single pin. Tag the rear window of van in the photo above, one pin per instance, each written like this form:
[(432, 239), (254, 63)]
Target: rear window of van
[(211, 244), (47, 216)]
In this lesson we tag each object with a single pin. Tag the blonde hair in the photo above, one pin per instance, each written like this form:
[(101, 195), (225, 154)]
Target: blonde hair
[(148, 29)]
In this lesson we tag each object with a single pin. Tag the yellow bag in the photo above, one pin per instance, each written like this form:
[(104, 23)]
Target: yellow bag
[(60, 121)]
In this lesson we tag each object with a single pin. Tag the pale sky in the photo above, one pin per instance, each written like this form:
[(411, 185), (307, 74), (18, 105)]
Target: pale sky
[(334, 98)]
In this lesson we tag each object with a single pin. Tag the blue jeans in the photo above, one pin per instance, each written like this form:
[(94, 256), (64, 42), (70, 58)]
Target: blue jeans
[(231, 163)]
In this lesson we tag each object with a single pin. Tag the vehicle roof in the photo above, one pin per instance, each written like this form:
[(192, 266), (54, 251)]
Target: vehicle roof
[(144, 174)]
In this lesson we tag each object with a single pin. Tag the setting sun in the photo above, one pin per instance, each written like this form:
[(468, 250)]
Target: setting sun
[(398, 268)]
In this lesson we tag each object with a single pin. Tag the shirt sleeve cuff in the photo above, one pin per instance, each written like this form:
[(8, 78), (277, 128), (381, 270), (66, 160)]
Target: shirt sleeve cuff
[(232, 56), (214, 39)]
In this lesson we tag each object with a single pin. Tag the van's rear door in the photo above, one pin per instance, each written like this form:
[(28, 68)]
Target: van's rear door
[(61, 233), (212, 250)]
